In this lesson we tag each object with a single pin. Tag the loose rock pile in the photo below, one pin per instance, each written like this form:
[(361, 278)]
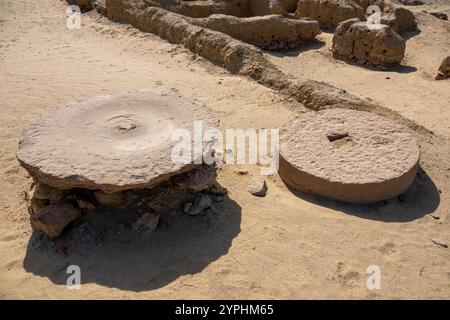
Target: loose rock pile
[(111, 151), (353, 40)]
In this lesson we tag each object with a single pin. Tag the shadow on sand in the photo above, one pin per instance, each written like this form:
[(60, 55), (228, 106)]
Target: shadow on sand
[(410, 33), (421, 199), (111, 254), (314, 45), (400, 68)]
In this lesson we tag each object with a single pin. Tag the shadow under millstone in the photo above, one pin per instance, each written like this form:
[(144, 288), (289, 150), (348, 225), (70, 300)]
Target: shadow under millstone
[(422, 198), (112, 254)]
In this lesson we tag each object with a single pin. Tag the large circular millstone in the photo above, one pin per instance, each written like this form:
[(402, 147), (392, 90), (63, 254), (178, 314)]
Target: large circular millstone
[(110, 143), (346, 155)]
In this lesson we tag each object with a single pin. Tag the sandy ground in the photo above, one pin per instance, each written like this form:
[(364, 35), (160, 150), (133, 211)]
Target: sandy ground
[(283, 246)]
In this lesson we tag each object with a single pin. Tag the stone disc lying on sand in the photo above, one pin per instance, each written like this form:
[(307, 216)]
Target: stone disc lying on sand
[(348, 155), (111, 143)]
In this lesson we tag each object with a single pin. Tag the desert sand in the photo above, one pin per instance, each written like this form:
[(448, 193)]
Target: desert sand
[(282, 246)]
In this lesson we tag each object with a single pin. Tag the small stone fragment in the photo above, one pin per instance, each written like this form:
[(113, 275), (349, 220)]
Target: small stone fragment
[(54, 218), (355, 41), (147, 222), (241, 172), (36, 205), (435, 216), (200, 204), (440, 243), (217, 189), (257, 188), (334, 135), (440, 15)]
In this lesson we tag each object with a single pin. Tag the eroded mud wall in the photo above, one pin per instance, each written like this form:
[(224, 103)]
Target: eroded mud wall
[(243, 59)]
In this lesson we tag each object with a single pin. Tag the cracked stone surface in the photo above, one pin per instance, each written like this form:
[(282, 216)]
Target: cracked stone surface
[(375, 159), (110, 143)]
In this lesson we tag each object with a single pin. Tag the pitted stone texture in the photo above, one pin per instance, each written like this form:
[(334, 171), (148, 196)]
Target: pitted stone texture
[(111, 143), (271, 32), (399, 19), (329, 12), (376, 159), (354, 41)]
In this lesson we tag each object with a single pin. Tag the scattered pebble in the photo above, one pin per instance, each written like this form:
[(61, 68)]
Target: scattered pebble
[(439, 15), (54, 218), (217, 189), (440, 243), (201, 203), (44, 192), (435, 216), (257, 188)]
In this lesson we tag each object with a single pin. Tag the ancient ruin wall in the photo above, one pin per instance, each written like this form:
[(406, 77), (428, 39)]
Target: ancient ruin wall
[(201, 9), (272, 32), (243, 59)]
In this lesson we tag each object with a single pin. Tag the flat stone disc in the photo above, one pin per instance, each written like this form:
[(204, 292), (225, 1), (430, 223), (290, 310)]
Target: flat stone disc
[(111, 143), (346, 155)]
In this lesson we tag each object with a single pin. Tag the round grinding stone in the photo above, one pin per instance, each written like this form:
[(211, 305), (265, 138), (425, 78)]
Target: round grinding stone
[(346, 155), (111, 143)]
